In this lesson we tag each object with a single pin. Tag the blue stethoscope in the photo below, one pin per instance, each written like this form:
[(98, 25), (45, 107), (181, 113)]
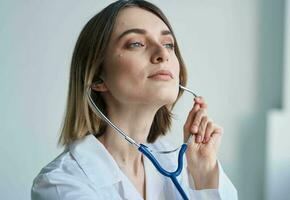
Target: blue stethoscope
[(145, 150)]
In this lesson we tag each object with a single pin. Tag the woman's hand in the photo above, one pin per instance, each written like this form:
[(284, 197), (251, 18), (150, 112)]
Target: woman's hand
[(202, 151)]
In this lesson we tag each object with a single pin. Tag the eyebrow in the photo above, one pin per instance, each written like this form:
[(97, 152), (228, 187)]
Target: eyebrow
[(141, 31)]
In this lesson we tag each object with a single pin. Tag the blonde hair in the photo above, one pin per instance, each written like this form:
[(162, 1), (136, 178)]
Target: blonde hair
[(86, 66)]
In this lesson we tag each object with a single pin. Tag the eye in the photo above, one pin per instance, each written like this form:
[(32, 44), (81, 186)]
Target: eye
[(169, 45), (135, 44)]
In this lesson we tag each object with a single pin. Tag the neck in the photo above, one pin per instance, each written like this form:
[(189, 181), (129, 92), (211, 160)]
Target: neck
[(136, 122)]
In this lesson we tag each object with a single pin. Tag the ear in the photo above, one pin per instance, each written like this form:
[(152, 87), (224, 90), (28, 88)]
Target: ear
[(99, 86)]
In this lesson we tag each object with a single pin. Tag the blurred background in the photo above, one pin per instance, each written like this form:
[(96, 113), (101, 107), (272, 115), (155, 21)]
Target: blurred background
[(237, 54)]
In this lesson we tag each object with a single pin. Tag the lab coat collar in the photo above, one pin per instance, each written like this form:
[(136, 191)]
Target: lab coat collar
[(96, 162), (102, 170)]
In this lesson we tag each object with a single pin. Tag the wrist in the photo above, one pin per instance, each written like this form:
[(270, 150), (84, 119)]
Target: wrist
[(205, 175)]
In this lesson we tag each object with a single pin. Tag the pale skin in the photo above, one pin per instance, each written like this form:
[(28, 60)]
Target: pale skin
[(132, 95)]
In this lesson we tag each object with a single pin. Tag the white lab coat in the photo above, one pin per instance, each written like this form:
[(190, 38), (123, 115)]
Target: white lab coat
[(87, 171)]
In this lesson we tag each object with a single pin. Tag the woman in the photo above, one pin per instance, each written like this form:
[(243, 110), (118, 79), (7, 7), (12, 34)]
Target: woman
[(129, 56)]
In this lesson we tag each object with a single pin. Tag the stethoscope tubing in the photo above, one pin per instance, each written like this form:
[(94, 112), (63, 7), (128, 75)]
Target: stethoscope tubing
[(144, 149), (172, 175)]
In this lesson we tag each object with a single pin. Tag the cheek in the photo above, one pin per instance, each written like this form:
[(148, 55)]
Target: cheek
[(130, 71), (119, 68), (123, 65), (123, 75), (176, 67)]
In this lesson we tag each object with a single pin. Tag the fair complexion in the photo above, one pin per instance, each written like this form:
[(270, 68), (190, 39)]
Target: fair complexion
[(140, 46)]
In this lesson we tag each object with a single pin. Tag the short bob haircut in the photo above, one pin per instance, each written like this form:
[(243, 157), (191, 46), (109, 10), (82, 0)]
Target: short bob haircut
[(86, 66)]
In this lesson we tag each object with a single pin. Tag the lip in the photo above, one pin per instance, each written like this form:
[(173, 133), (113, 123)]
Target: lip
[(161, 74)]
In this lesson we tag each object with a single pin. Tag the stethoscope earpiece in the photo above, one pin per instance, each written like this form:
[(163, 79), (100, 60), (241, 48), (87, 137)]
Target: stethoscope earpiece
[(98, 81), (95, 84)]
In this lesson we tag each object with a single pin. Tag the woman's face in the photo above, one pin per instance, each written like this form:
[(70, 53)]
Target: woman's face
[(140, 64)]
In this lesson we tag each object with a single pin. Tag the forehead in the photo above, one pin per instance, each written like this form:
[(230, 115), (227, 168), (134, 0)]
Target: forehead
[(135, 17)]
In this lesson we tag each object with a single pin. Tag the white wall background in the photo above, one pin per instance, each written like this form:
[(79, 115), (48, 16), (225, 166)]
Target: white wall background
[(233, 50), (277, 141)]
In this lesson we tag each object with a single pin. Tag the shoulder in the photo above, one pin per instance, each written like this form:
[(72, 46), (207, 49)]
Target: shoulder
[(64, 164), (58, 177)]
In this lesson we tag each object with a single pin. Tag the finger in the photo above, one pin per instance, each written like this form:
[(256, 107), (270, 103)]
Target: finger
[(191, 116), (188, 122), (197, 119), (215, 138), (198, 103), (209, 130), (202, 129), (200, 100)]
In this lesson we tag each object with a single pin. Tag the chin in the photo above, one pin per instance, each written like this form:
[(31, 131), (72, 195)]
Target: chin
[(162, 95), (172, 101), (168, 99)]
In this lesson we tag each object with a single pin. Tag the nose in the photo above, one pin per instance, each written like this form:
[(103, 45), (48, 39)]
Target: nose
[(160, 54)]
